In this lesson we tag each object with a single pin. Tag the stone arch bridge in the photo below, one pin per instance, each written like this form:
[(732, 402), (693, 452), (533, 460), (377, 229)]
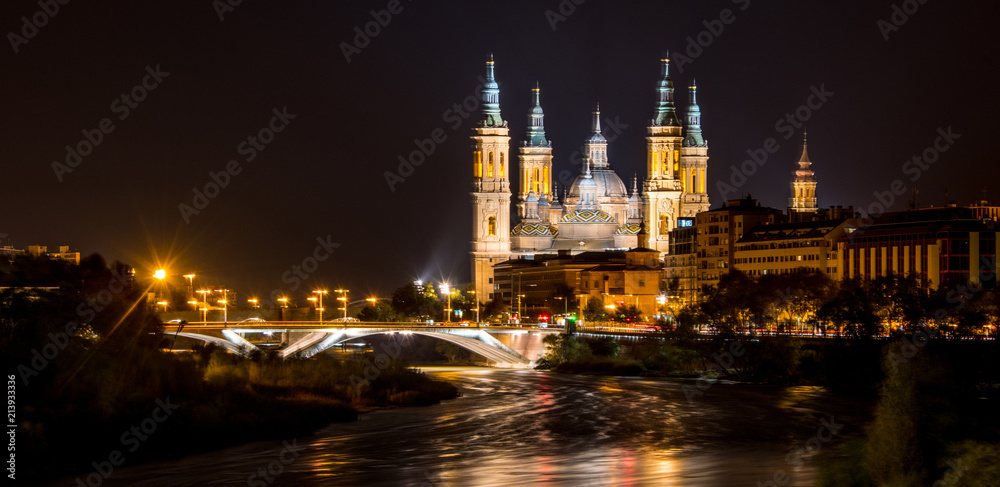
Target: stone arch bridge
[(503, 346)]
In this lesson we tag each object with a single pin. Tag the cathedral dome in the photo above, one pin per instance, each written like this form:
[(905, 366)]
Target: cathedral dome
[(533, 230), (629, 229), (587, 216), (608, 185)]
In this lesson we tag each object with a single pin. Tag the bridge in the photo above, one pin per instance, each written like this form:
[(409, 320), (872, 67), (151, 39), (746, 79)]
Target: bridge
[(503, 346)]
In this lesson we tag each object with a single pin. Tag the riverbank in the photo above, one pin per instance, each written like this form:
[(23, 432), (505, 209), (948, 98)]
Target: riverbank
[(204, 402)]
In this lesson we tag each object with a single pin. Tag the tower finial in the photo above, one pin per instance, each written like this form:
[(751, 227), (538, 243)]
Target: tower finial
[(665, 113), (491, 98), (597, 118), (536, 120), (805, 151), (692, 130)]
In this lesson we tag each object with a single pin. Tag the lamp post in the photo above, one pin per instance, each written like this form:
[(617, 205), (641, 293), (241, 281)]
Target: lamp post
[(225, 312), (445, 289), (164, 304), (204, 309), (254, 303), (190, 278), (342, 298), (473, 293), (320, 293)]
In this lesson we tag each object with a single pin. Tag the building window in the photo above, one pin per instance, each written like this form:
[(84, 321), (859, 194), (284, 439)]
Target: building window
[(501, 165), (642, 283), (489, 166), (478, 163), (491, 226), (536, 181), (491, 282)]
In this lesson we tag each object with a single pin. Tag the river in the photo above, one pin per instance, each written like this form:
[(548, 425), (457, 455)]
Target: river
[(525, 427)]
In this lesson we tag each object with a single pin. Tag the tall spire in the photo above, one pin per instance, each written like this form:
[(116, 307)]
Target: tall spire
[(536, 121), (804, 172), (692, 130), (665, 112), (596, 145), (805, 152), (491, 99), (596, 126)]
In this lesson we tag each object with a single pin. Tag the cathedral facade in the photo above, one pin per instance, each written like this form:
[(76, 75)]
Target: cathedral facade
[(598, 211)]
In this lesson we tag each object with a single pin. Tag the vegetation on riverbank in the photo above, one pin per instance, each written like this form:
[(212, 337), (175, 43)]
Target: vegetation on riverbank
[(94, 390), (935, 422)]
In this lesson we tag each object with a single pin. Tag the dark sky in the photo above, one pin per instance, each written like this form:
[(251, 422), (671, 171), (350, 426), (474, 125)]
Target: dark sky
[(323, 176)]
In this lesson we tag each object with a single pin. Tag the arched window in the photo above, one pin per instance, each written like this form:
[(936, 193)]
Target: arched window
[(545, 181), (478, 163), (491, 226), (501, 165), (536, 181), (489, 166), (664, 224)]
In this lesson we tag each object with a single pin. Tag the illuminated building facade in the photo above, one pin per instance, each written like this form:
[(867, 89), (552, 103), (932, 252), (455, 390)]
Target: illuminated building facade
[(597, 212)]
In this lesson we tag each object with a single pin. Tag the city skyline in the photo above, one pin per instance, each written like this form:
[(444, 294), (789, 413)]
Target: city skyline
[(331, 113)]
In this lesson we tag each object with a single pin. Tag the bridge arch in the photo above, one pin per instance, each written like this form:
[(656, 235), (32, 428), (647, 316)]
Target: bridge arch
[(239, 349), (476, 341)]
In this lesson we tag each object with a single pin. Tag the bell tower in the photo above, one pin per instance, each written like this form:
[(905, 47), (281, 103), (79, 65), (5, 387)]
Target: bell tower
[(663, 185), (803, 199), (694, 161), (491, 190), (535, 158)]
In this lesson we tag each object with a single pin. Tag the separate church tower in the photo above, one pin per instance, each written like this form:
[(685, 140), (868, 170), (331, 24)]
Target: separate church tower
[(491, 193), (535, 159), (663, 185), (694, 162), (803, 200)]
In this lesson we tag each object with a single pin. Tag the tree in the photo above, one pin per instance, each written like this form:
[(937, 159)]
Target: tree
[(381, 312), (627, 314), (409, 302), (594, 311), (852, 310)]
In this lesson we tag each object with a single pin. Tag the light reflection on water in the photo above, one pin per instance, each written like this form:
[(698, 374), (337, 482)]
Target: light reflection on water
[(520, 427)]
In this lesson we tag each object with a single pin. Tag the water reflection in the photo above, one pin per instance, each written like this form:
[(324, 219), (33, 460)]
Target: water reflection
[(522, 427)]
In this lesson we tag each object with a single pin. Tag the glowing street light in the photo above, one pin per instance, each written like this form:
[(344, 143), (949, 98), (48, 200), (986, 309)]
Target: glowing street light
[(164, 304), (445, 288), (473, 293), (254, 303), (204, 309), (344, 299), (225, 311), (160, 274), (284, 302), (320, 293)]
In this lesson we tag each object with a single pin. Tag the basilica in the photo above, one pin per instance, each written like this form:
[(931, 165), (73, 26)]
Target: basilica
[(598, 211)]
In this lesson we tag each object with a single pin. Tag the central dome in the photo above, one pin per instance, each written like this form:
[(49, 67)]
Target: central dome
[(609, 185)]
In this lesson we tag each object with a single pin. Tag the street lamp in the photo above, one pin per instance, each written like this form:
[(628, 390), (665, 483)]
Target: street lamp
[(190, 278), (204, 310), (254, 303), (473, 293), (164, 304), (445, 290), (225, 311), (284, 302), (320, 293), (343, 299)]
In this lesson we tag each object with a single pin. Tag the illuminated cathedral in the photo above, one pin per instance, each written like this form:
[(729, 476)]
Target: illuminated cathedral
[(598, 211)]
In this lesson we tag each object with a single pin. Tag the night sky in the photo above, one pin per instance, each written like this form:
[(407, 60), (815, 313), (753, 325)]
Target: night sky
[(323, 175)]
